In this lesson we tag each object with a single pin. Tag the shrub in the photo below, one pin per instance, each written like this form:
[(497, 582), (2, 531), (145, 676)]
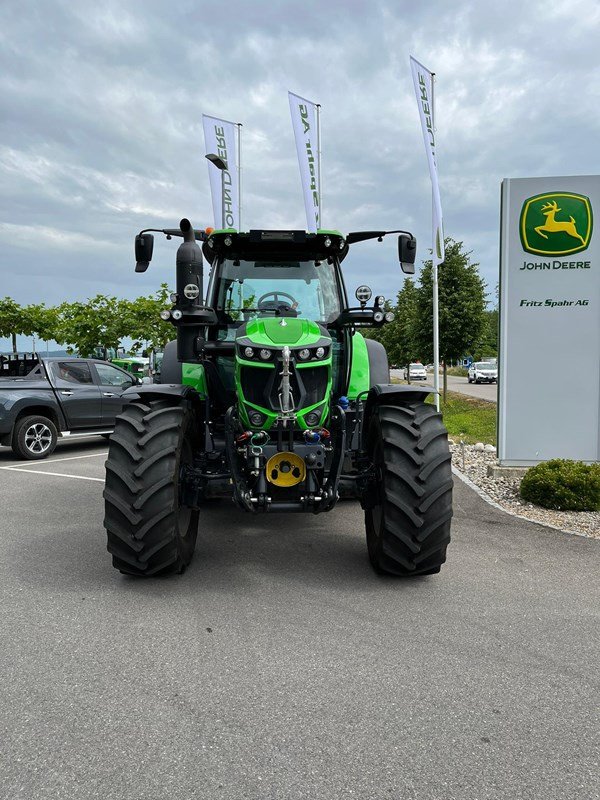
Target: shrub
[(563, 485)]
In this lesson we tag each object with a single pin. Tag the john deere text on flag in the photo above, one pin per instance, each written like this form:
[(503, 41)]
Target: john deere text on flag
[(220, 138), (306, 131), (423, 82)]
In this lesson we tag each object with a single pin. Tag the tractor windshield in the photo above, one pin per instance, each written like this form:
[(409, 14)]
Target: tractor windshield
[(247, 289)]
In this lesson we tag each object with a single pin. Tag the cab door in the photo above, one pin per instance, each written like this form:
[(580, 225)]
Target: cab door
[(112, 382), (77, 392)]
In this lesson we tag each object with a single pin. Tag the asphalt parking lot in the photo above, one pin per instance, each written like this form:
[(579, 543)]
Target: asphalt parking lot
[(280, 666)]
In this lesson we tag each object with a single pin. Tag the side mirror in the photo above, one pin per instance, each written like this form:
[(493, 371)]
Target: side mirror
[(144, 246), (407, 253)]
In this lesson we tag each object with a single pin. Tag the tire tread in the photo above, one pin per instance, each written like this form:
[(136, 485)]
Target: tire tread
[(415, 490)]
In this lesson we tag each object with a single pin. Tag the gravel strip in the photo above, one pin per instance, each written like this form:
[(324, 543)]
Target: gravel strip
[(505, 492)]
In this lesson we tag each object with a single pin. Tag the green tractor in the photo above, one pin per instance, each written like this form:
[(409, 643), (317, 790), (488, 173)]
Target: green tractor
[(271, 396), (136, 365)]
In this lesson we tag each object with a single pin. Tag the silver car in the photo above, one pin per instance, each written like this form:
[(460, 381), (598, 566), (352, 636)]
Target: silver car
[(417, 372), (483, 372)]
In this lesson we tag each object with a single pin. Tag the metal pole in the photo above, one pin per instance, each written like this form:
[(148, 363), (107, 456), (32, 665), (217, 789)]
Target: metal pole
[(436, 329), (436, 310), (319, 165), (239, 127), (223, 199)]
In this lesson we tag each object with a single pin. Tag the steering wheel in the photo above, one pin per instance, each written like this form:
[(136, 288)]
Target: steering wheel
[(276, 305)]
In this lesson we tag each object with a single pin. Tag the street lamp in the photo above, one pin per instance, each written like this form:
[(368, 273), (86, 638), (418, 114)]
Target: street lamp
[(221, 165)]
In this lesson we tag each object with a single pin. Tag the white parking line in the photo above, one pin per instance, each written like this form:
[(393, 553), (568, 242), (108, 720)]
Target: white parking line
[(55, 460), (58, 474)]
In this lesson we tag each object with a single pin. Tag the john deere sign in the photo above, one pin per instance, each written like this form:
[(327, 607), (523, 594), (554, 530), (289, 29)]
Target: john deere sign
[(556, 223), (549, 364)]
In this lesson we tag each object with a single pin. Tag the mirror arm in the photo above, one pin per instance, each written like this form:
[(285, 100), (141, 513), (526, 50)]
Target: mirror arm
[(362, 236), (200, 236)]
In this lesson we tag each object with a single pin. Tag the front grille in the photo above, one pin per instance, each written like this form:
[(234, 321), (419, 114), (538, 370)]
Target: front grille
[(313, 380), (308, 386)]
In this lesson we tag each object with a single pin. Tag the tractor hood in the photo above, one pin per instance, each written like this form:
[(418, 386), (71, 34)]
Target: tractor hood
[(265, 349), (280, 331)]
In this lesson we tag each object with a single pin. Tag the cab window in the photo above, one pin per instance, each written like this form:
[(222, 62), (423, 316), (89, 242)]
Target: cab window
[(72, 371), (111, 376)]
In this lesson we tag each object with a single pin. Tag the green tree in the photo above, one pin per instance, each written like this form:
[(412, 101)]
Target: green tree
[(10, 320), (400, 335), (31, 320), (461, 306), (101, 321), (40, 321), (145, 321), (488, 342)]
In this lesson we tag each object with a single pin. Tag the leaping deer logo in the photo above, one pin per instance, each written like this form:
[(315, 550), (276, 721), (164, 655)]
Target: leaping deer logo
[(551, 225)]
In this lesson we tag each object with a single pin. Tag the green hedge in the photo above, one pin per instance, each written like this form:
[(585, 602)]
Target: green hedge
[(563, 485)]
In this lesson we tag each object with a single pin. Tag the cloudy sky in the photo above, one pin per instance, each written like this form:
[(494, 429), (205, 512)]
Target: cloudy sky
[(101, 125)]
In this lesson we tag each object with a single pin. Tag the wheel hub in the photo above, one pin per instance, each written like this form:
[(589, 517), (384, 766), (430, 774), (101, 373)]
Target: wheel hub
[(38, 438)]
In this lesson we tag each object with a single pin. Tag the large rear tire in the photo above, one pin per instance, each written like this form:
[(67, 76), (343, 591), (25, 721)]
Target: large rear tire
[(409, 507), (150, 531)]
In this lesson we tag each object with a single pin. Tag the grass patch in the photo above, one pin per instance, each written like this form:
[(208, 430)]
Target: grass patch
[(468, 418), (465, 417)]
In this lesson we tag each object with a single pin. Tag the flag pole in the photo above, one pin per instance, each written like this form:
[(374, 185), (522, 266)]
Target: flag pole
[(239, 168), (319, 165), (436, 308)]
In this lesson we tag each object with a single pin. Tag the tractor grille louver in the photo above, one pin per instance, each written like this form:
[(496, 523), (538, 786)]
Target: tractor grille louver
[(309, 386)]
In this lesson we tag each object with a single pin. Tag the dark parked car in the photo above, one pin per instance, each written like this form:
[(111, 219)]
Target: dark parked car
[(42, 399)]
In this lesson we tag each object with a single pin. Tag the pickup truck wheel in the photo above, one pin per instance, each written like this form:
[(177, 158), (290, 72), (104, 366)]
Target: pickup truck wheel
[(409, 508), (34, 437), (150, 531)]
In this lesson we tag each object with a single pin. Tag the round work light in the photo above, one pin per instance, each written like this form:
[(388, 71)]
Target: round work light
[(191, 291)]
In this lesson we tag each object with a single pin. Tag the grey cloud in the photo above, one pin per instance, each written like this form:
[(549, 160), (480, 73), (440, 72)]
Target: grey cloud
[(102, 131)]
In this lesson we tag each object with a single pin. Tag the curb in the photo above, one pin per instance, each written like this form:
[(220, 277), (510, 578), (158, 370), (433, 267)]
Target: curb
[(489, 501)]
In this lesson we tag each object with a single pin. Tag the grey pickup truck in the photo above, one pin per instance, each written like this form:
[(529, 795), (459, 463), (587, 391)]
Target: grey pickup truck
[(42, 399)]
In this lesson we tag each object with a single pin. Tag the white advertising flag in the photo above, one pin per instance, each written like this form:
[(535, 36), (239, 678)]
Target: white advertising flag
[(305, 120), (220, 139), (423, 82)]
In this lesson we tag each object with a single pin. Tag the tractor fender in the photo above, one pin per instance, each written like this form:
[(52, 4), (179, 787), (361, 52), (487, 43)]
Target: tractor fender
[(171, 370), (391, 394), (379, 369), (162, 391)]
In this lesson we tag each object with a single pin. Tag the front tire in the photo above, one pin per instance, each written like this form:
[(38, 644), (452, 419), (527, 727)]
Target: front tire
[(409, 507), (150, 531)]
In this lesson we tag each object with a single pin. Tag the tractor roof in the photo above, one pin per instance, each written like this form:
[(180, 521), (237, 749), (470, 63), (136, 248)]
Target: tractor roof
[(257, 245)]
